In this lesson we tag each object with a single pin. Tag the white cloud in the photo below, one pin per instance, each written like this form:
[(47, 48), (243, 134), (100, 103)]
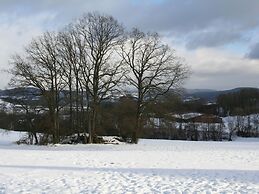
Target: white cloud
[(15, 32), (220, 69)]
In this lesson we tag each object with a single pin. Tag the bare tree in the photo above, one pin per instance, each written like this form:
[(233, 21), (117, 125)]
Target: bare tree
[(154, 70), (91, 57), (71, 68), (29, 109), (74, 52), (99, 38), (232, 125), (40, 68)]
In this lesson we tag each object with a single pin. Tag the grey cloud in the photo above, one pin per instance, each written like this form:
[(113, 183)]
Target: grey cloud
[(181, 18), (192, 15), (176, 15), (212, 38), (254, 52)]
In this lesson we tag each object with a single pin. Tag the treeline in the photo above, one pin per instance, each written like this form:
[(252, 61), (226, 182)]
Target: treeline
[(116, 116), (243, 102), (76, 70)]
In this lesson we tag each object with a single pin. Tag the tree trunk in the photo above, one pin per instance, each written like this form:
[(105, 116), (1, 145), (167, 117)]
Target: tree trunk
[(36, 138), (93, 128), (134, 138), (71, 107)]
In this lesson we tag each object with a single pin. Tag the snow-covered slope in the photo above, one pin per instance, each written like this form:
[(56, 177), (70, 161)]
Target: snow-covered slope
[(152, 166)]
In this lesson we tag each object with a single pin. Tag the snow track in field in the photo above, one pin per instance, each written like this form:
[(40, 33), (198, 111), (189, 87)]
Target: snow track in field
[(152, 166)]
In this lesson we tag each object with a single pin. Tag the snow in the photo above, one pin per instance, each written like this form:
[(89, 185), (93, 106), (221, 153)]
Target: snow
[(8, 138), (6, 106), (187, 115), (152, 166), (112, 140)]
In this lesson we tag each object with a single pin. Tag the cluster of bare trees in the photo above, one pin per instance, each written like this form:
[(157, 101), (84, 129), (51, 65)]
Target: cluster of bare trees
[(85, 63), (243, 126)]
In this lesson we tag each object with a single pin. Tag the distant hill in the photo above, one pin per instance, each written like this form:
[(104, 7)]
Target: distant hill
[(29, 92), (193, 91), (210, 95)]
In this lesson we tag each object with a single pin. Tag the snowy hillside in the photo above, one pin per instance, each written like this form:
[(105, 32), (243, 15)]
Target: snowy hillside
[(152, 166)]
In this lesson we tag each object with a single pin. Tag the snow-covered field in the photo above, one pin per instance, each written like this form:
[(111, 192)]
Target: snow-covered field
[(152, 166)]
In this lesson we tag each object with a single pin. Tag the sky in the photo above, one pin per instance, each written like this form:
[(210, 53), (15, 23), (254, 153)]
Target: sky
[(219, 39)]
